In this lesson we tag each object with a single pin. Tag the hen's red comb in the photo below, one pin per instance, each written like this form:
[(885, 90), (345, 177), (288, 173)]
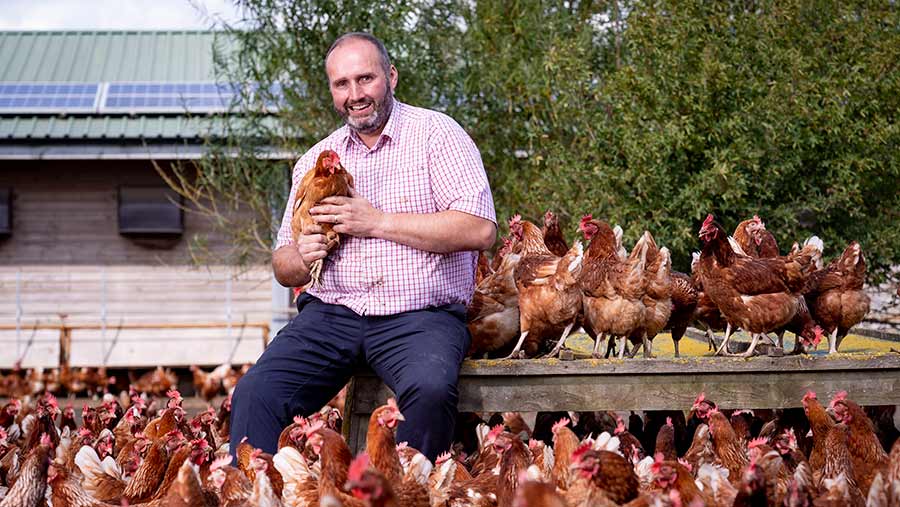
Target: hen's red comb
[(560, 424), (669, 422), (359, 465), (580, 450), (220, 462), (756, 442)]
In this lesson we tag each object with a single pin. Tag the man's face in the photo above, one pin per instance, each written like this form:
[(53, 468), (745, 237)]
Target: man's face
[(362, 93)]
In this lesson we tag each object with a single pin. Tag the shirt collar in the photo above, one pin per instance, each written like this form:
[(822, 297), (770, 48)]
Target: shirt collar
[(391, 128)]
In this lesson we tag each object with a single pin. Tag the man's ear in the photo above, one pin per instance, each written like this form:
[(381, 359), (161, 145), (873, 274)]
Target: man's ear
[(392, 77)]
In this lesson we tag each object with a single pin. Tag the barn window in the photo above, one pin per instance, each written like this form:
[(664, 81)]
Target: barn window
[(150, 211), (5, 212)]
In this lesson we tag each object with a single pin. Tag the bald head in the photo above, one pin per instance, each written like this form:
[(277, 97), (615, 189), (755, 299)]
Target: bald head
[(385, 59)]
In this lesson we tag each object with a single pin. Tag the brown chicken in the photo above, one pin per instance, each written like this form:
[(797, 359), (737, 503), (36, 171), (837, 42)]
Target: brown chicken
[(327, 179), (657, 297), (757, 295), (232, 486), (665, 441), (612, 289), (209, 384), (835, 295), (866, 452), (549, 294), (148, 477), (264, 491), (820, 424), (67, 490), (669, 475), (515, 461), (482, 268), (684, 303), (369, 485), (839, 472), (751, 487), (493, 314), (532, 492), (726, 444), (31, 484), (607, 471), (381, 448), (753, 238), (156, 382), (564, 444), (335, 458), (553, 236)]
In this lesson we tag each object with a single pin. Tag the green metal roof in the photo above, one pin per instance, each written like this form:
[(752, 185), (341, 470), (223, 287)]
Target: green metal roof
[(105, 56), (92, 56), (27, 128)]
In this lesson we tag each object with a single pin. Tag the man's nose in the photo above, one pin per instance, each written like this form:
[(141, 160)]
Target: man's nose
[(356, 92)]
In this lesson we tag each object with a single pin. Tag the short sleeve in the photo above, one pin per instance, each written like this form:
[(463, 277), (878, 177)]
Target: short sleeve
[(458, 178)]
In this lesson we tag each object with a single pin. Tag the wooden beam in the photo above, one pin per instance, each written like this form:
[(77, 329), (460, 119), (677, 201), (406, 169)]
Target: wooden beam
[(654, 384)]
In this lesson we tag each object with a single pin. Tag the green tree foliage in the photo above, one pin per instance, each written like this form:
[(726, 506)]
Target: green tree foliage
[(649, 113)]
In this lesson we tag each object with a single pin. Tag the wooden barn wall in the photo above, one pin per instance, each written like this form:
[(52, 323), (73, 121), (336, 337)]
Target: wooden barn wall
[(66, 263)]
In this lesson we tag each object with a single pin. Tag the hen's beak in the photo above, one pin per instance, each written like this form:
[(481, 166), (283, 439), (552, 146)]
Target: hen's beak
[(400, 417)]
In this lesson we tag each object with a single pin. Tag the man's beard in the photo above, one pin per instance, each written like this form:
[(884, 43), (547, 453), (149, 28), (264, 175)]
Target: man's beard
[(375, 121)]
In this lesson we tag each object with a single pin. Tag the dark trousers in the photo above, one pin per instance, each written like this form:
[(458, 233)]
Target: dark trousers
[(417, 354)]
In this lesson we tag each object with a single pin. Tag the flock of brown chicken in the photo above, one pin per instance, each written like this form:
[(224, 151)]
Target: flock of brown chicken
[(137, 450), (20, 382), (538, 289)]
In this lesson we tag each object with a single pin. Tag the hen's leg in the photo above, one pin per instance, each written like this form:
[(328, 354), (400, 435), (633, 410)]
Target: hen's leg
[(515, 353), (675, 342), (781, 338), (562, 341), (633, 352), (725, 341), (596, 352), (648, 347), (832, 342), (838, 339), (711, 339), (610, 346), (753, 343), (798, 347), (315, 272), (622, 347)]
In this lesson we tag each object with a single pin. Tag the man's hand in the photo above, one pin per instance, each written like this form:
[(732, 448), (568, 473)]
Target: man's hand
[(312, 245), (352, 215)]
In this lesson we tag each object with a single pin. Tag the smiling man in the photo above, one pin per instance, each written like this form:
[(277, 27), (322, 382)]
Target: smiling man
[(394, 292)]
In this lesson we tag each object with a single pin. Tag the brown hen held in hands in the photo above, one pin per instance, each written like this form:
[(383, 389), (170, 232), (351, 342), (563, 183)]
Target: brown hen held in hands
[(327, 179)]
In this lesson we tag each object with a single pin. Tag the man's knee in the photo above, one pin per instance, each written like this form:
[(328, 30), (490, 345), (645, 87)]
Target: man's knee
[(431, 391), (250, 392)]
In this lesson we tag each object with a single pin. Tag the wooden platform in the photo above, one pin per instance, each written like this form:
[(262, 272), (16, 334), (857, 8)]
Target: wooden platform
[(646, 384)]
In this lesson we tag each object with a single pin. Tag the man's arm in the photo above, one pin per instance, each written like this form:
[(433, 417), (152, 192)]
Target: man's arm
[(441, 232), (291, 262)]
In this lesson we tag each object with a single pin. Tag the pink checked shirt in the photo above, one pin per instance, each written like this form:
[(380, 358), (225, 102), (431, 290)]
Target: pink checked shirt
[(423, 162)]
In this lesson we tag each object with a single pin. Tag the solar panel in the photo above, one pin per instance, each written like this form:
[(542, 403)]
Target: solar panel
[(168, 97), (35, 97)]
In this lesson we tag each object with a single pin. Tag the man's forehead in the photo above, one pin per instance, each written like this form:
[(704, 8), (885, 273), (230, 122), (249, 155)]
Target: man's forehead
[(353, 53)]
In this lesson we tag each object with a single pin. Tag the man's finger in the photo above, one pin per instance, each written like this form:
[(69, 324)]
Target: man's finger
[(326, 219), (336, 200), (310, 229), (353, 192), (314, 238), (324, 209)]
